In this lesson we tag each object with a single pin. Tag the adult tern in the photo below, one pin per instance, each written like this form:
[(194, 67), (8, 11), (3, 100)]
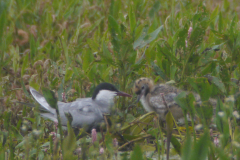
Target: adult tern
[(86, 112)]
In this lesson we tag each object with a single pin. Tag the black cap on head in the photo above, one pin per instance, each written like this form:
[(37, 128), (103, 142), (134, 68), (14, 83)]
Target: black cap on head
[(103, 86)]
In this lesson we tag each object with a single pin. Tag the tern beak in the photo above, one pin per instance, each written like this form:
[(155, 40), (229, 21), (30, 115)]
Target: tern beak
[(139, 96), (120, 93)]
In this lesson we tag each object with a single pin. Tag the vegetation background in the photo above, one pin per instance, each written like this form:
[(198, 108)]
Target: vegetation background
[(71, 46)]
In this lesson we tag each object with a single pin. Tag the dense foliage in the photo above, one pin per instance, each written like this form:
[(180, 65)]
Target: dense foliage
[(71, 46)]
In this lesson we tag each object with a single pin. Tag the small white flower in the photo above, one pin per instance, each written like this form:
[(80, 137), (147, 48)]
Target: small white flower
[(198, 127), (236, 114), (101, 151), (236, 144), (221, 113)]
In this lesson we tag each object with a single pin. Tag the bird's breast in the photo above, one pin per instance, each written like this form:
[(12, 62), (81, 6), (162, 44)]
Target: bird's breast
[(146, 105)]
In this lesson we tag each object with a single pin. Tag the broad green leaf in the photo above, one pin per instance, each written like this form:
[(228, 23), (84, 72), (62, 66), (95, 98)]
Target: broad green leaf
[(3, 20), (177, 146), (173, 70), (155, 8), (68, 74), (50, 97), (169, 122), (65, 50), (136, 153), (190, 101), (187, 148), (87, 58), (69, 143), (181, 100), (7, 119), (16, 133), (216, 81), (132, 19), (24, 65), (134, 128), (113, 25), (108, 142), (159, 71), (145, 39), (220, 22), (107, 57), (214, 13), (200, 149), (24, 88), (202, 86), (205, 112), (33, 48)]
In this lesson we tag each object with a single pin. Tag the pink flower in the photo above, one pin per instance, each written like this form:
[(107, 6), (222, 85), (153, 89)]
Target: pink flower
[(115, 142), (216, 141), (79, 150), (94, 135), (63, 97), (101, 151), (189, 32), (53, 134), (56, 125), (186, 43)]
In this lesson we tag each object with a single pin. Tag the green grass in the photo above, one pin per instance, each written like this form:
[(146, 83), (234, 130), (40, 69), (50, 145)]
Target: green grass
[(71, 46)]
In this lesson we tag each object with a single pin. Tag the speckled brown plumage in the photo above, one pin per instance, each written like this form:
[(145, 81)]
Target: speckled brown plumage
[(151, 99)]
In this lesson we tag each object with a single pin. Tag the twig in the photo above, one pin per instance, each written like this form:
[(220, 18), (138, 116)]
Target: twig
[(164, 101), (134, 140), (169, 130), (105, 119)]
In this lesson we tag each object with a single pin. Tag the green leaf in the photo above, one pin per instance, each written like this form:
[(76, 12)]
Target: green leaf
[(137, 153), (134, 128), (155, 8), (200, 149), (169, 127), (65, 50), (33, 48), (106, 57), (159, 71), (202, 86), (169, 122), (50, 97), (214, 13), (68, 74), (3, 19), (216, 81), (173, 70), (7, 119), (132, 19), (16, 133), (69, 143), (180, 99), (145, 39), (187, 148), (24, 88), (177, 146), (220, 22), (113, 25)]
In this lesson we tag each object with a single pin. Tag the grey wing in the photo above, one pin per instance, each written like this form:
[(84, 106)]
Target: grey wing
[(84, 114)]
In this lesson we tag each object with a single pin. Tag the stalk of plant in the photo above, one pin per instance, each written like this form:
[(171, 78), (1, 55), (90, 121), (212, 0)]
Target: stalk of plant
[(52, 101), (60, 129)]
